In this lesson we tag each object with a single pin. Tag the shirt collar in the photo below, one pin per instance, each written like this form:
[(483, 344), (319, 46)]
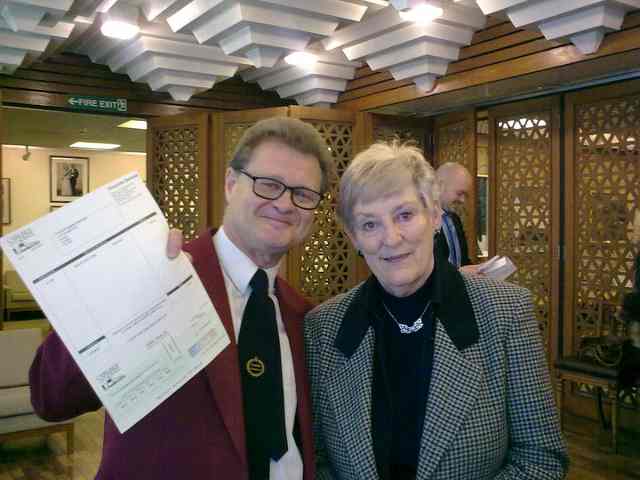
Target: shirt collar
[(449, 295), (237, 266)]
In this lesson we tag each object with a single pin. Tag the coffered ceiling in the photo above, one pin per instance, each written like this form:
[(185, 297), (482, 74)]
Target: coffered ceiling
[(184, 47)]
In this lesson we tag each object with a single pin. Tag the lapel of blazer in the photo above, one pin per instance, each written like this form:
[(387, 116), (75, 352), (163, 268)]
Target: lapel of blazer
[(293, 309), (350, 387), (223, 373), (455, 384)]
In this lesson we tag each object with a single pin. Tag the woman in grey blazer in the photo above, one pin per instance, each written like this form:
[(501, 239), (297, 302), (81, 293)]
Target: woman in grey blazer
[(421, 372)]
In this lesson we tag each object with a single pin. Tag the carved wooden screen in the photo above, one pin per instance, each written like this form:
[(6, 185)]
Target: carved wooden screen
[(325, 265), (455, 141), (232, 134), (177, 153), (603, 178), (524, 146), (603, 190)]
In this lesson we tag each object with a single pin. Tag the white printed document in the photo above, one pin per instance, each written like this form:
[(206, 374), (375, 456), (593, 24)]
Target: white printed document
[(138, 324), (498, 268)]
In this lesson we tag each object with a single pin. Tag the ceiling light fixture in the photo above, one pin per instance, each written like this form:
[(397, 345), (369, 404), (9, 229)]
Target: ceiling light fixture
[(94, 145), (137, 124), (422, 14), (119, 30), (301, 59), (120, 22)]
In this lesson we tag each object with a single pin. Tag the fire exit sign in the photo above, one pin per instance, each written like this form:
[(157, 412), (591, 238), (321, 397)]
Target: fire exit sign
[(98, 104)]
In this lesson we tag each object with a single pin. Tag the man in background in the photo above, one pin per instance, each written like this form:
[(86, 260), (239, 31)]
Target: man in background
[(450, 242)]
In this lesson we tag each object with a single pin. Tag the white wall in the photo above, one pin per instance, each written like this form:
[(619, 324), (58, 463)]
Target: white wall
[(30, 197)]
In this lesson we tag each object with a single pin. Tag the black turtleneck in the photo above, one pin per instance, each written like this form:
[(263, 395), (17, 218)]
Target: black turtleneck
[(403, 364)]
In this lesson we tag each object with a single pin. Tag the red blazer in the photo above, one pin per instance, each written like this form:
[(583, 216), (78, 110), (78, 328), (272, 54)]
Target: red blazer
[(198, 432)]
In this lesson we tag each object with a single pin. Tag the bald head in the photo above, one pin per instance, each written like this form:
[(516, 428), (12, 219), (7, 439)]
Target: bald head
[(455, 184)]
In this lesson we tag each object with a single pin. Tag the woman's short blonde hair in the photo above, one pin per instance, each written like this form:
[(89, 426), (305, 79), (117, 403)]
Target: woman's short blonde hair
[(383, 169)]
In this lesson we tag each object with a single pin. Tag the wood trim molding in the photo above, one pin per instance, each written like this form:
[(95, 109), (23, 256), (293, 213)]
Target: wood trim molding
[(391, 93)]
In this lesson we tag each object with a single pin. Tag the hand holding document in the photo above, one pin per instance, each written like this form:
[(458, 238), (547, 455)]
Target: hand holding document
[(498, 268), (138, 324)]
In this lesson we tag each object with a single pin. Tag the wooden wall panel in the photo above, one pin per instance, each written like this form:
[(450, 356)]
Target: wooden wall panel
[(326, 263), (525, 194), (602, 184), (177, 169)]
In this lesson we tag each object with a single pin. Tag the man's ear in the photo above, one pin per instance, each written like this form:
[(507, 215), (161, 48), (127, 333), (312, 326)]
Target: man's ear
[(230, 180)]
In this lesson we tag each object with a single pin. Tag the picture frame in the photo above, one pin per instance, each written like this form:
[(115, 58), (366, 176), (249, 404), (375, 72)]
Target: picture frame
[(69, 178), (5, 193)]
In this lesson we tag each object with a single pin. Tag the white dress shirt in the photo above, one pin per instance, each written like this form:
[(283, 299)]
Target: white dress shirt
[(238, 269)]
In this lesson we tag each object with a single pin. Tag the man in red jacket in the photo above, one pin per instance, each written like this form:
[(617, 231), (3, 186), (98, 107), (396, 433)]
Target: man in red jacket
[(216, 426)]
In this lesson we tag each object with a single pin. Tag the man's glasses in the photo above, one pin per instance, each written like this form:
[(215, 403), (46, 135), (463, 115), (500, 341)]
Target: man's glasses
[(272, 189)]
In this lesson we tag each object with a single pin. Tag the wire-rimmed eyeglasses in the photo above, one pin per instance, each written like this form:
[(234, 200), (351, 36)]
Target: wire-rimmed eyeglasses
[(272, 189)]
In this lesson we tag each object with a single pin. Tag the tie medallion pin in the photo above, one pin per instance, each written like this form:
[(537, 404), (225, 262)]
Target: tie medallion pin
[(255, 367)]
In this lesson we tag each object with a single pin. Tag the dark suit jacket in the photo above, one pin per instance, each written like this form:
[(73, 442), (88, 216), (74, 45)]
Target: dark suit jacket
[(442, 247), (198, 432)]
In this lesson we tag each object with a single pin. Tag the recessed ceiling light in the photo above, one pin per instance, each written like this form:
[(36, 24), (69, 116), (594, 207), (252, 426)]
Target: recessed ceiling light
[(422, 14), (301, 59), (120, 30), (95, 145), (137, 124)]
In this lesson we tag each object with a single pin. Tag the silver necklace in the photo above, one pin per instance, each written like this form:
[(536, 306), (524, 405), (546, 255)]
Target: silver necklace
[(406, 329)]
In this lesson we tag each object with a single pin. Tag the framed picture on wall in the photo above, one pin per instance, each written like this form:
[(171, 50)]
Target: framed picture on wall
[(5, 193), (69, 178)]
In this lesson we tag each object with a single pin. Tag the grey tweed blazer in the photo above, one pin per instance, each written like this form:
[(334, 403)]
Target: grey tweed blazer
[(490, 412)]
